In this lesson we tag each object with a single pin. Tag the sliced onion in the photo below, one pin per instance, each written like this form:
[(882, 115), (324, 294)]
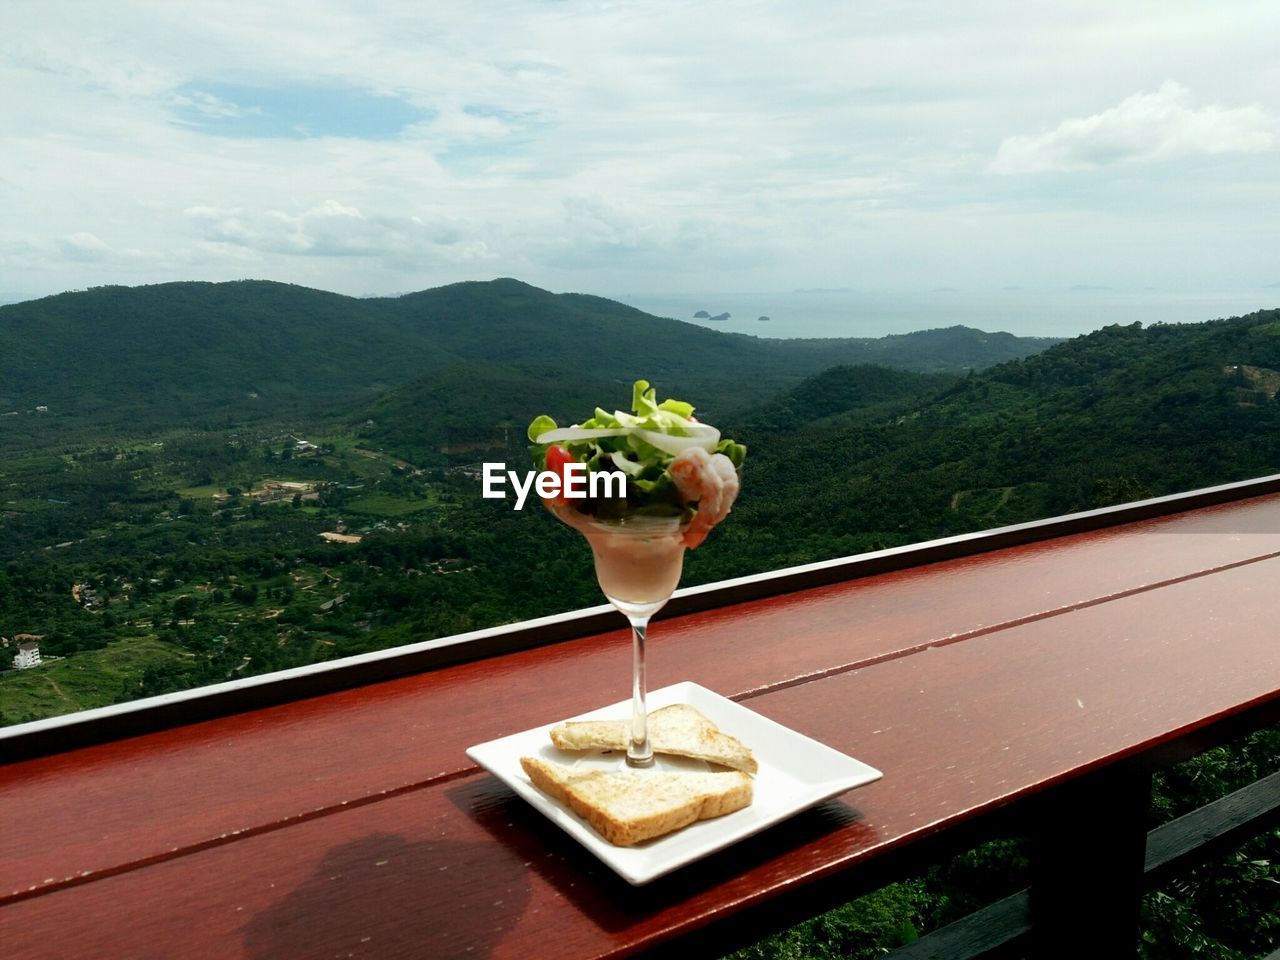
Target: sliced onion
[(629, 467), (703, 436), (574, 434)]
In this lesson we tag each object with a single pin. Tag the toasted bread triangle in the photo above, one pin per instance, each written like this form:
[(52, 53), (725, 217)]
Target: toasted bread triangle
[(679, 730), (627, 807)]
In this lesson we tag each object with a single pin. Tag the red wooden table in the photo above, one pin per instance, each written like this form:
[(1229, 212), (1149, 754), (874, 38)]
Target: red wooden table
[(352, 824)]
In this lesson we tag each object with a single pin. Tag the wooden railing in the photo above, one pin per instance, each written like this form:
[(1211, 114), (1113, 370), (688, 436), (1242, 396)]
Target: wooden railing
[(1027, 681), (1005, 928)]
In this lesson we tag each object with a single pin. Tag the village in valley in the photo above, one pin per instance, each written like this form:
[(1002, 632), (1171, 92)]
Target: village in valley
[(199, 558)]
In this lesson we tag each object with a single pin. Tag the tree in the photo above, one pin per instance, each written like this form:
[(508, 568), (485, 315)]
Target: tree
[(184, 608)]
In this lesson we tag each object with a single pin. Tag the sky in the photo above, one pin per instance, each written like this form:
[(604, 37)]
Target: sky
[(383, 147)]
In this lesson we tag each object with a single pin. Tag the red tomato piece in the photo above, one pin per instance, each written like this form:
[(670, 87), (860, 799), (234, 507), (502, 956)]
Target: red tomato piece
[(558, 458)]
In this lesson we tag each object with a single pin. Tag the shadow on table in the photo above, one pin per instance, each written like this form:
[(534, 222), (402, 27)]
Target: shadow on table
[(615, 904), (384, 895)]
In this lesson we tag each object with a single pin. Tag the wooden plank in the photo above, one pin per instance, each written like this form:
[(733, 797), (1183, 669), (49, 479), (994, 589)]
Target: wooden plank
[(1218, 826), (960, 731), (357, 745), (983, 935)]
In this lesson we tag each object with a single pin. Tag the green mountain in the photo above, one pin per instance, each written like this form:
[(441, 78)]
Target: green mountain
[(210, 355), (865, 393), (1116, 415), (203, 354)]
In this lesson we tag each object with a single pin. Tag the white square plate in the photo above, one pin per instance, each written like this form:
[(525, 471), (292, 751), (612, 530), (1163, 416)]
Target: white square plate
[(796, 772)]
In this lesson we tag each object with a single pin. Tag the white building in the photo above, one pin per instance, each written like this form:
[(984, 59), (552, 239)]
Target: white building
[(28, 655)]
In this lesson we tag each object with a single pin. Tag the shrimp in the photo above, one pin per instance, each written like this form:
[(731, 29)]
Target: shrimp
[(708, 479)]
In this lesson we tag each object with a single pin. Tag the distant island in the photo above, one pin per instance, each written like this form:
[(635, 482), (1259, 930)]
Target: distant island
[(762, 318), (704, 315)]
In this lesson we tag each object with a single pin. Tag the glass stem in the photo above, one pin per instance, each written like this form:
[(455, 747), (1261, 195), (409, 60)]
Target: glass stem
[(639, 750)]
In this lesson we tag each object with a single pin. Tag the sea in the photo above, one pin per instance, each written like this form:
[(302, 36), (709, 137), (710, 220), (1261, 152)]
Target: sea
[(1024, 312)]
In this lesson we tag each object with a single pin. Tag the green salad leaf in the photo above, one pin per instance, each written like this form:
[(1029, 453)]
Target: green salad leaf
[(642, 444), (540, 426)]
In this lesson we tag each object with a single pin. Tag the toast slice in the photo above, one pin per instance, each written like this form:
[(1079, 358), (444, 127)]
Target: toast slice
[(627, 807), (678, 729)]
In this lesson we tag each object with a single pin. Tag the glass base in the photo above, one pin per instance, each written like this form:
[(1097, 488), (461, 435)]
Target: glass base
[(634, 610)]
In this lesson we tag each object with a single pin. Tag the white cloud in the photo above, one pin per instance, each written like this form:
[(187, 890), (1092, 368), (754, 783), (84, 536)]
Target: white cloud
[(208, 105), (335, 229), (83, 246), (1142, 128)]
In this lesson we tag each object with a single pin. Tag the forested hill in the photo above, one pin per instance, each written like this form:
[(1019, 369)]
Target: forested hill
[(210, 355), (865, 393), (204, 354), (476, 411), (1117, 415)]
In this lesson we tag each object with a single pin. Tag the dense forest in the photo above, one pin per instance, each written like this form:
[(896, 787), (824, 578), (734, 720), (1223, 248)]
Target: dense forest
[(209, 539)]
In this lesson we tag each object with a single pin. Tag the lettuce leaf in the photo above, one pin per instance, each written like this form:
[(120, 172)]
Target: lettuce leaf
[(650, 489)]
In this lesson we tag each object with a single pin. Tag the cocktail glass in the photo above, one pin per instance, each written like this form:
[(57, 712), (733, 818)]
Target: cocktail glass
[(638, 561)]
